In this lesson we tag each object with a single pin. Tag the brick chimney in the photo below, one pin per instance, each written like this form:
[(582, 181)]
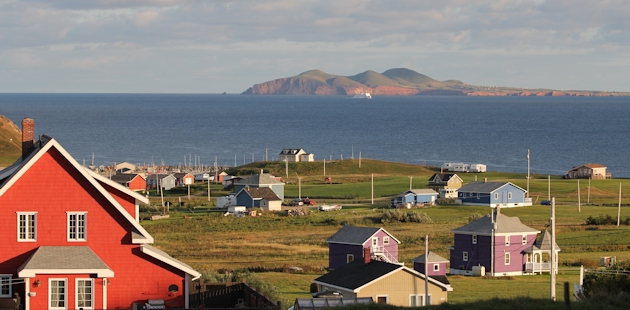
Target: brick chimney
[(28, 136), (366, 255)]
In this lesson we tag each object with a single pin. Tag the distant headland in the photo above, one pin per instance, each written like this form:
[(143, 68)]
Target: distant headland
[(396, 82)]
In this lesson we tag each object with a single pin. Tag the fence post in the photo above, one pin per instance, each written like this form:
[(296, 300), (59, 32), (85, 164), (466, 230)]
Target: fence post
[(567, 300)]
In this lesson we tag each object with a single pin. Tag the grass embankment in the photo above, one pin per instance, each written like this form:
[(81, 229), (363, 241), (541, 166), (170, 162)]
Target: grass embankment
[(209, 241)]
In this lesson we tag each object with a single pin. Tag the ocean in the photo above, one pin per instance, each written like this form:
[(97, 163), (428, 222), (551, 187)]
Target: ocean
[(560, 132)]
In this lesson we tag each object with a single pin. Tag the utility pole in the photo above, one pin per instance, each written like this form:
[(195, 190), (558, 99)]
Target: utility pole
[(286, 167), (372, 188), (324, 166), (619, 208), (494, 226), (579, 205), (548, 187), (553, 249), (410, 182), (266, 154), (352, 157), (527, 173), (208, 187), (234, 160), (359, 159), (427, 302), (588, 197)]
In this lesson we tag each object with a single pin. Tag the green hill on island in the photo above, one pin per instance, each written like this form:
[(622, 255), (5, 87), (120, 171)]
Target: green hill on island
[(10, 141)]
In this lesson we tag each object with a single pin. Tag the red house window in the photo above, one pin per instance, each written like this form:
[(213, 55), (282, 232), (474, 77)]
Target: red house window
[(27, 223), (76, 226)]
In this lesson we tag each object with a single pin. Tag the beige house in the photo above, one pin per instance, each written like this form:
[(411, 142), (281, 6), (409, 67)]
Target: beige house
[(593, 171), (386, 283), (295, 155), (125, 167), (444, 180)]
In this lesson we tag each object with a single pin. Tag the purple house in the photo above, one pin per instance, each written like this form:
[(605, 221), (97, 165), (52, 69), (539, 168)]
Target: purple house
[(349, 242), (501, 244), (436, 266)]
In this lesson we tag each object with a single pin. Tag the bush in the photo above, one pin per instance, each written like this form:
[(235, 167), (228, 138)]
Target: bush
[(606, 220), (391, 216)]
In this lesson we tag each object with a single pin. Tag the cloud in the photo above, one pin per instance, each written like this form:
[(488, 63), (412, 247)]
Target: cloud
[(276, 38)]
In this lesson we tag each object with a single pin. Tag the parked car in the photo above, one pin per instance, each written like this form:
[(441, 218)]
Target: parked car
[(545, 202)]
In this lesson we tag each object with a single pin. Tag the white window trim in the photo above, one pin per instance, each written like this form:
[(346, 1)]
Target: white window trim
[(524, 240), (465, 256), (474, 239), (507, 258), (18, 227), (386, 298), (509, 195), (375, 241), (507, 240), (385, 240), (436, 267), (77, 239), (422, 303), (10, 277), (65, 293), (496, 196), (348, 257), (76, 292)]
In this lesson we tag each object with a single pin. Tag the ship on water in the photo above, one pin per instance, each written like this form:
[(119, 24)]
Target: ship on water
[(362, 96)]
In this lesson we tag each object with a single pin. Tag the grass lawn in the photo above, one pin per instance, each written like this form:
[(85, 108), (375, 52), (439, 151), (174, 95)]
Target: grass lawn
[(207, 240)]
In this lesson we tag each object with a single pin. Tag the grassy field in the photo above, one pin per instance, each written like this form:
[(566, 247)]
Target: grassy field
[(209, 241)]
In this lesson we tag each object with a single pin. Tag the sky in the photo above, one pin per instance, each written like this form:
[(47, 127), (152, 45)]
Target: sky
[(188, 46)]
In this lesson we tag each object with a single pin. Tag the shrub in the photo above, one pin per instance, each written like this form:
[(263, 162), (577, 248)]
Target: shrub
[(606, 220), (391, 216)]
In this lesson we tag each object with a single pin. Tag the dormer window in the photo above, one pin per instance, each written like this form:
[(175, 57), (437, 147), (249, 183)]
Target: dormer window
[(474, 239), (77, 226)]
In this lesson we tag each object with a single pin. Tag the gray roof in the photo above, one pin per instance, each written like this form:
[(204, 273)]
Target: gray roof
[(484, 187), (64, 257), (433, 258), (321, 303), (544, 242), (258, 179), (356, 235), (505, 225), (423, 191), (261, 193), (123, 177)]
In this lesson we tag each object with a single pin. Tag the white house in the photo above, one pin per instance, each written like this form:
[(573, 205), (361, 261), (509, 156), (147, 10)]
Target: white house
[(295, 155)]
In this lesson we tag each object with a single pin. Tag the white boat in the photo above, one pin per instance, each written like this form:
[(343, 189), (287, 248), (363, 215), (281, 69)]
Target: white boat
[(363, 96)]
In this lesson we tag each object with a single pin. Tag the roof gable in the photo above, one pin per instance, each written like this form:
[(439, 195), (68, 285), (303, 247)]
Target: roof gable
[(433, 258), (258, 179), (486, 187), (356, 235), (49, 143), (356, 275), (504, 225), (259, 193)]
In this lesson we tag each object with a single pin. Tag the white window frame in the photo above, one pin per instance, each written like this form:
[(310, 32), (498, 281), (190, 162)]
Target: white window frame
[(386, 298), (474, 239), (507, 258), (76, 293), (6, 279), (77, 237), (524, 242), (419, 299), (65, 293), (349, 258), (496, 196), (529, 257), (27, 227), (509, 195), (375, 241), (507, 240), (386, 240), (436, 267), (465, 256)]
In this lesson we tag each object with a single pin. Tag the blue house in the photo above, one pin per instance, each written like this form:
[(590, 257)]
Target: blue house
[(493, 194), (261, 180), (350, 242), (416, 196), (258, 197)]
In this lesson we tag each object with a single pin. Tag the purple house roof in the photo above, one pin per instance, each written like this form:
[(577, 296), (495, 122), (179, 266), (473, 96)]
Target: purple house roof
[(356, 235), (504, 225)]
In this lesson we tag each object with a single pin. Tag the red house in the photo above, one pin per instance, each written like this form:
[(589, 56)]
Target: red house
[(134, 182), (77, 241)]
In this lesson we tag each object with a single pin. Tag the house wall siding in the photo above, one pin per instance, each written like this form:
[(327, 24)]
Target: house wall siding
[(419, 267), (61, 188), (337, 254), (399, 285), (478, 254)]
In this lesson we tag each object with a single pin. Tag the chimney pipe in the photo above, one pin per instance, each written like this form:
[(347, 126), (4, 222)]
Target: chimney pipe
[(366, 255), (485, 180), (28, 136)]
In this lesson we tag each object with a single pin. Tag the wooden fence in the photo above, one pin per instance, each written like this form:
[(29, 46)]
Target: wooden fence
[(237, 296)]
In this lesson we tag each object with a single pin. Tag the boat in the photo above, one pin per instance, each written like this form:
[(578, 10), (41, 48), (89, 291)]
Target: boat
[(362, 96)]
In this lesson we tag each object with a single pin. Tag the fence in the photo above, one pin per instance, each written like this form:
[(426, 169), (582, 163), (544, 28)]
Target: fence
[(237, 296)]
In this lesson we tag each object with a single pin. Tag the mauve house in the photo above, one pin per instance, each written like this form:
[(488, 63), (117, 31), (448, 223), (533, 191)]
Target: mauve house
[(349, 242)]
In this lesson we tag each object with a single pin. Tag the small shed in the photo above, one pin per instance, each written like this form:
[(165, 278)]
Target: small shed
[(437, 264)]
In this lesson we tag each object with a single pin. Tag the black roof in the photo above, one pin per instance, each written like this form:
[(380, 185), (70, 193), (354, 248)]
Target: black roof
[(356, 274)]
